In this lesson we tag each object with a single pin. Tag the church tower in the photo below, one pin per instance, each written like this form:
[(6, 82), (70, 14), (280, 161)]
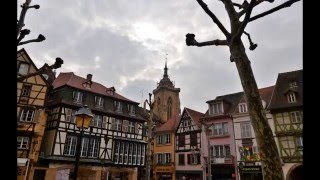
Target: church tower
[(166, 96)]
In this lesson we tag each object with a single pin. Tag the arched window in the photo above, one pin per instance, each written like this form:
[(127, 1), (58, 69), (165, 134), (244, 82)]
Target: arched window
[(169, 108)]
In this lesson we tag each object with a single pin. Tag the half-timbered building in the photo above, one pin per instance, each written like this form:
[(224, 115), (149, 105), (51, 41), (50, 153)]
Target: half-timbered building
[(220, 135), (190, 163), (31, 116), (248, 156), (112, 146), (286, 108)]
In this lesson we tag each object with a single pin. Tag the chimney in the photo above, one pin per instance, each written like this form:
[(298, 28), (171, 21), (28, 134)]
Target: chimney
[(89, 77)]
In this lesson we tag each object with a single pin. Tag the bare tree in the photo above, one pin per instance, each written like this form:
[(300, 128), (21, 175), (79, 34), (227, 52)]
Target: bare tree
[(21, 33), (271, 164)]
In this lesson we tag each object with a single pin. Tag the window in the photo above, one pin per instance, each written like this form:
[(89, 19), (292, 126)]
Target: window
[(121, 153), (291, 97), (193, 139), (84, 147), (167, 158), (181, 141), (243, 107), (125, 155), (169, 108), (98, 101), (134, 154), (22, 142), (194, 158), (96, 121), (218, 151), (131, 127), (181, 159), (70, 146), (139, 154), (143, 154), (132, 109), (216, 108), (26, 89), (295, 117), (293, 84), (159, 158), (77, 97), (23, 68), (117, 124), (116, 151), (130, 154), (300, 142), (159, 139), (167, 138), (118, 106), (245, 130), (220, 129), (70, 115), (93, 147), (187, 123), (227, 151), (27, 115)]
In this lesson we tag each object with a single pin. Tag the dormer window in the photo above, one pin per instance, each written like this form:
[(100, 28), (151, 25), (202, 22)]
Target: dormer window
[(132, 109), (243, 108), (216, 108), (98, 101), (77, 97), (291, 97), (293, 84), (118, 106)]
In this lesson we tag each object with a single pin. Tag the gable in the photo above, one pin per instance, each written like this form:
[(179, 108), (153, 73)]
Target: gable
[(186, 124)]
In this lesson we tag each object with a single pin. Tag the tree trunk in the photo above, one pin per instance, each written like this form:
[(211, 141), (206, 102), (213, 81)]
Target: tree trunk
[(271, 164), (22, 16)]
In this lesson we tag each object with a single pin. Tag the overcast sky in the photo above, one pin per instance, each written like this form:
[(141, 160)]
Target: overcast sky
[(123, 43)]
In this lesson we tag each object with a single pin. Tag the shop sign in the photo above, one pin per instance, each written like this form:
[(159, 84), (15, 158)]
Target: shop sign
[(164, 169), (251, 169)]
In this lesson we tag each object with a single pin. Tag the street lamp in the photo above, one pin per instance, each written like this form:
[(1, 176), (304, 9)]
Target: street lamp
[(83, 119)]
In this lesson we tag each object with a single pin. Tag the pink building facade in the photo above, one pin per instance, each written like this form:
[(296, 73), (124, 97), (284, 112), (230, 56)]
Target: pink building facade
[(218, 125)]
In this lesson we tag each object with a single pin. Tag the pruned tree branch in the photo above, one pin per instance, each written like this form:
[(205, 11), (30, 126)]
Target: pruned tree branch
[(23, 33), (284, 5), (257, 3), (214, 18), (246, 19), (191, 41), (43, 69), (39, 39), (22, 16), (253, 46)]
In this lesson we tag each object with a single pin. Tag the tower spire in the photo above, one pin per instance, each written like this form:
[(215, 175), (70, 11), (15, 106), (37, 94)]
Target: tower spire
[(165, 68)]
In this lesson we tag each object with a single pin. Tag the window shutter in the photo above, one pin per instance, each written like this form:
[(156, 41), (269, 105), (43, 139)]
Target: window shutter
[(105, 122), (36, 115), (198, 158), (189, 159), (115, 105), (125, 126), (95, 100), (113, 126), (73, 95), (137, 128)]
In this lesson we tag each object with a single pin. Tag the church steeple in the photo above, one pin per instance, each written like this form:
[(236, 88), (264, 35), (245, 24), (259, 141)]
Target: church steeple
[(165, 70)]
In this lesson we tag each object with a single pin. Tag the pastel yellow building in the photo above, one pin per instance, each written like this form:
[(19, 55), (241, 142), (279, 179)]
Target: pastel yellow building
[(31, 116)]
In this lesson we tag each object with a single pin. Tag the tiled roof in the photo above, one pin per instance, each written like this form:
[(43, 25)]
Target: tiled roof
[(279, 99), (233, 99), (195, 115), (72, 80), (170, 125)]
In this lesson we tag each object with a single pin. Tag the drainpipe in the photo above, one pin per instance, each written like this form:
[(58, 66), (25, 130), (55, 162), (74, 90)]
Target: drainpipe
[(25, 176)]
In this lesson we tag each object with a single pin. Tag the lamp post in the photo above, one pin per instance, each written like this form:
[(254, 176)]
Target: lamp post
[(83, 119)]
